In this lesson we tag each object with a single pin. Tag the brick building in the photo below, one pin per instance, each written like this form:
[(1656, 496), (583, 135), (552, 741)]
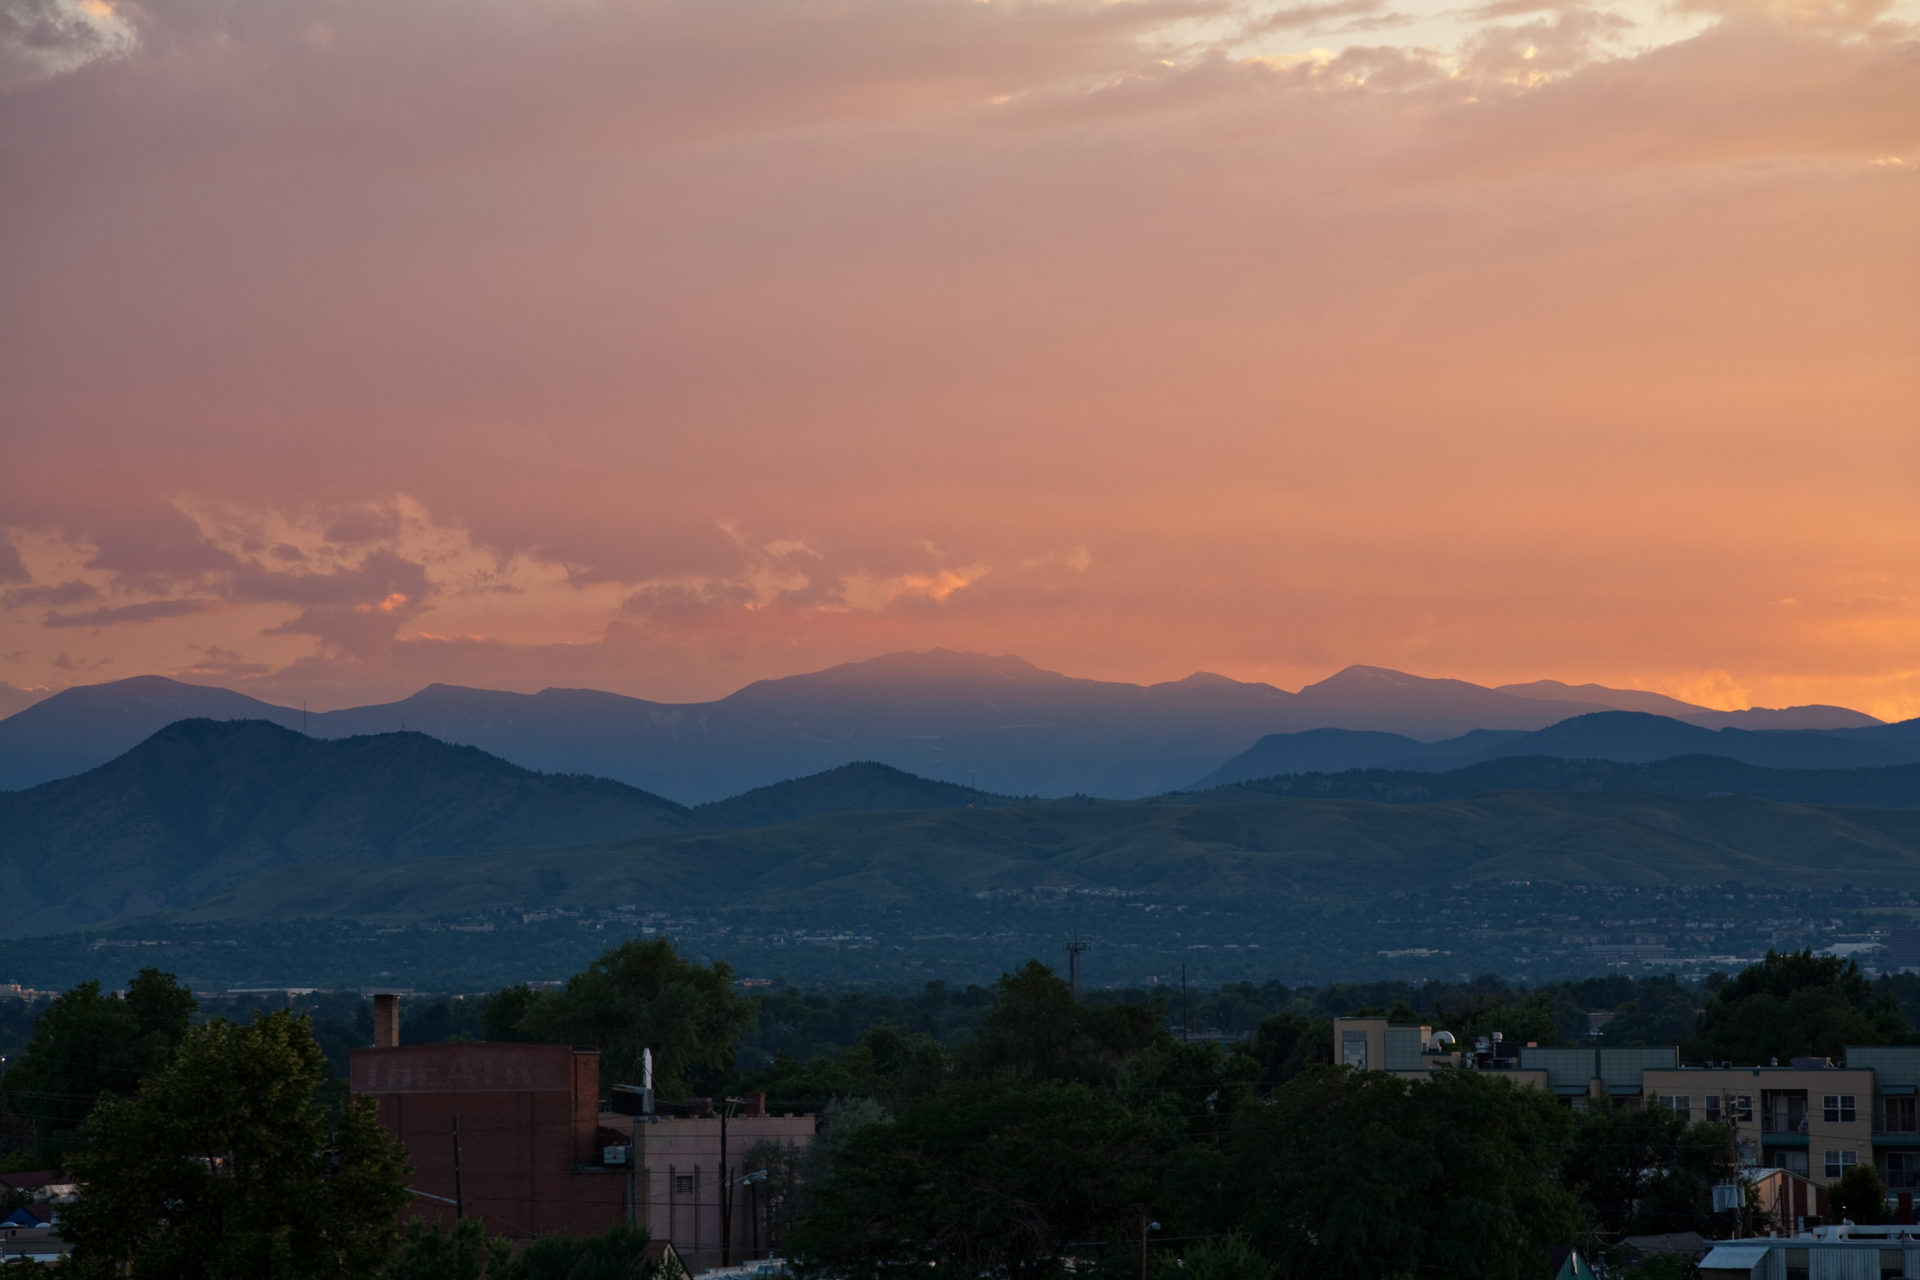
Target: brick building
[(507, 1132), (515, 1136)]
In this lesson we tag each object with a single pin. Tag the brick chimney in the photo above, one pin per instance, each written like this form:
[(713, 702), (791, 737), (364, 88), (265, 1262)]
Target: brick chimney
[(386, 1020)]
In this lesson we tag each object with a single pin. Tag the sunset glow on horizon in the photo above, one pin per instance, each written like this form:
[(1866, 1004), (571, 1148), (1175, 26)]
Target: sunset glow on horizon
[(659, 347)]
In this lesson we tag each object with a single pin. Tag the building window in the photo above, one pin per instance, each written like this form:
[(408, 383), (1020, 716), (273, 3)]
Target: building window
[(1838, 1162), (683, 1184), (1839, 1108), (1681, 1104), (1710, 1105), (1900, 1170), (1793, 1161), (1353, 1049), (1743, 1106), (1897, 1115)]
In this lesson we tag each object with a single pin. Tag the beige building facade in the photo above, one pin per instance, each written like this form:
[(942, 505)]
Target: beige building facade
[(1810, 1117), (706, 1198), (1814, 1121)]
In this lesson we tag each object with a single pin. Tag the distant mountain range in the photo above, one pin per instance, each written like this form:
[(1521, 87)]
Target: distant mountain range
[(247, 820), (1897, 787), (999, 724), (1623, 736)]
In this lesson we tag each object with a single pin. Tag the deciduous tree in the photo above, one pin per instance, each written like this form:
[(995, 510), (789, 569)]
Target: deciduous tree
[(87, 1044), (1348, 1175), (998, 1176), (638, 995), (1796, 1004), (225, 1166), (1859, 1196), (1647, 1170)]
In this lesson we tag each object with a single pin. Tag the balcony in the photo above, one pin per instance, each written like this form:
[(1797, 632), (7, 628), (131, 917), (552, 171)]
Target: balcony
[(1783, 1122), (1896, 1128)]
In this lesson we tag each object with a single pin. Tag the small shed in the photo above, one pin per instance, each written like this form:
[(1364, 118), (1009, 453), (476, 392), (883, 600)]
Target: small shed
[(1733, 1261), (1569, 1264)]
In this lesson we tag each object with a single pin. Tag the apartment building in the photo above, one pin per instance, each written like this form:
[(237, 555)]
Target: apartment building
[(1810, 1116)]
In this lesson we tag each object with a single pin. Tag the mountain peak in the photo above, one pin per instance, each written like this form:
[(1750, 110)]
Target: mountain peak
[(1202, 680), (1600, 695), (1359, 672), (929, 669)]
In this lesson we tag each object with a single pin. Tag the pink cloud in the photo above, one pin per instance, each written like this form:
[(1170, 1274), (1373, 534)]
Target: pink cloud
[(1539, 355)]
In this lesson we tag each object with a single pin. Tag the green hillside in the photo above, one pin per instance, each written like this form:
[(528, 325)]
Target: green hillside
[(1279, 850), (203, 805), (863, 787), (1893, 786), (246, 821)]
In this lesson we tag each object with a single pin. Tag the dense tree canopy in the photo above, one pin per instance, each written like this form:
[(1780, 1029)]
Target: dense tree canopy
[(1794, 1005), (225, 1166), (1348, 1175), (88, 1044), (996, 1176), (1038, 1030), (638, 995), (1647, 1170)]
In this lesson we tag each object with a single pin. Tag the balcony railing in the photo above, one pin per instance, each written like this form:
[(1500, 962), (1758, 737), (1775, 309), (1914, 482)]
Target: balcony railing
[(1896, 1123), (1783, 1122)]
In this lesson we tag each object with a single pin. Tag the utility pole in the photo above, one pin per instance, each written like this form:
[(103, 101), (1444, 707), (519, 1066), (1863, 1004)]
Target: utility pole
[(1143, 1247), (633, 1166), (1075, 945), (726, 1190), (1186, 1010), (459, 1198)]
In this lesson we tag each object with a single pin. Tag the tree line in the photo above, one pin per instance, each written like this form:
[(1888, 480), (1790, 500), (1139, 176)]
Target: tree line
[(1014, 1130)]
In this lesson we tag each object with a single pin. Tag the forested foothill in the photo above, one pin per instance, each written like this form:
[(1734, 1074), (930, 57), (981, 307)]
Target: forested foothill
[(1011, 1129)]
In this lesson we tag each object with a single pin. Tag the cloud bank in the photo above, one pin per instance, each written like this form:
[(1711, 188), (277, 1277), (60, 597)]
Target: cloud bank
[(663, 346)]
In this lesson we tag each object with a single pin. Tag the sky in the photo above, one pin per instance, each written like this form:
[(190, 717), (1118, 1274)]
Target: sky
[(662, 345)]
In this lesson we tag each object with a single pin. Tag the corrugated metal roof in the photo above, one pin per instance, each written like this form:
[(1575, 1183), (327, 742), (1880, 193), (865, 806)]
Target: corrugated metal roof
[(1734, 1255)]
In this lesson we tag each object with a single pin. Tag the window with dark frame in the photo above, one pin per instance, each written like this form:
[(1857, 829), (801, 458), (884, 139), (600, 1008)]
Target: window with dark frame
[(1353, 1049)]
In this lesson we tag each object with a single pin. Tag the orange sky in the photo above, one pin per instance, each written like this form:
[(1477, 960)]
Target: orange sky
[(658, 347)]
